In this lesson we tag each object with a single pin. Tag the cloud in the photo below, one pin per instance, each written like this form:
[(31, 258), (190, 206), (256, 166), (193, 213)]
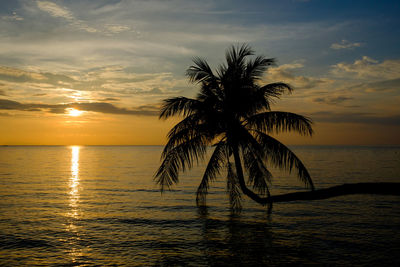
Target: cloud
[(363, 118), (392, 85), (13, 17), (116, 28), (17, 75), (150, 37), (368, 68), (63, 12), (336, 100), (114, 80), (110, 99), (9, 104), (101, 107), (344, 44), (146, 110), (151, 92), (285, 73), (57, 11)]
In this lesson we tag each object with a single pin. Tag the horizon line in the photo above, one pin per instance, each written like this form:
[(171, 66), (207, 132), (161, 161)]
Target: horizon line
[(359, 145)]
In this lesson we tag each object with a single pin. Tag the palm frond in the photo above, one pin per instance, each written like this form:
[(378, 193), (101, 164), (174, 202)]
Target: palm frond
[(235, 55), (185, 130), (214, 166), (178, 106), (200, 72), (210, 95), (233, 189), (259, 176), (179, 158), (279, 121), (257, 67), (254, 156), (281, 156), (275, 90)]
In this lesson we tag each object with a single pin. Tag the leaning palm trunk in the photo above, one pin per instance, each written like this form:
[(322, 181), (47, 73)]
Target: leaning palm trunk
[(392, 189), (242, 183), (232, 112)]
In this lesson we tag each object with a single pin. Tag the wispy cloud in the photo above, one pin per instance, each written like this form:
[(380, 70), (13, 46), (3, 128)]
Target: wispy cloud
[(344, 44), (286, 73), (55, 10), (109, 79), (117, 28), (58, 11), (13, 17), (332, 100), (63, 12), (19, 75), (368, 68), (391, 85)]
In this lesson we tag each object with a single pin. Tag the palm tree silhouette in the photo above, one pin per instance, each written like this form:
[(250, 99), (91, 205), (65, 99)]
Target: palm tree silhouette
[(232, 113)]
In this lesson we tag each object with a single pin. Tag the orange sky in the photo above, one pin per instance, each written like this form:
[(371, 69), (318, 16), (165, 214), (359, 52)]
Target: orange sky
[(94, 129)]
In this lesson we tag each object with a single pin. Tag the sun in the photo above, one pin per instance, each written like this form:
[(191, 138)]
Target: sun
[(73, 112)]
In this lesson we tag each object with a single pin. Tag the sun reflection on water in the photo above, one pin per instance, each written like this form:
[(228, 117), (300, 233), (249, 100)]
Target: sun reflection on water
[(73, 213), (74, 181)]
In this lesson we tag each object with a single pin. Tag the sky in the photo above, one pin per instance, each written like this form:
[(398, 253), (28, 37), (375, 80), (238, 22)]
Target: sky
[(95, 72)]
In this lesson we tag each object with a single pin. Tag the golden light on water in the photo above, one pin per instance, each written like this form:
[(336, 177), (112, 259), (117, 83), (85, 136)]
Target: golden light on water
[(74, 180), (73, 212), (73, 112)]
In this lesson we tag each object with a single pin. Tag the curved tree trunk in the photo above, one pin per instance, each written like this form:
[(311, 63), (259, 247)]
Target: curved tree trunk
[(335, 191), (242, 183), (341, 190)]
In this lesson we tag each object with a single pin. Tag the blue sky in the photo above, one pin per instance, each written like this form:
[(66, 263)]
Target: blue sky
[(124, 57)]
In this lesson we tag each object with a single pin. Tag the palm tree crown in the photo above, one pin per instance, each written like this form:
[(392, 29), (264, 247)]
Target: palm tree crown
[(232, 113)]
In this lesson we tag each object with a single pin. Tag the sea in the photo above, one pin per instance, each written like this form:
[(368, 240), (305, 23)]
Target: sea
[(99, 206)]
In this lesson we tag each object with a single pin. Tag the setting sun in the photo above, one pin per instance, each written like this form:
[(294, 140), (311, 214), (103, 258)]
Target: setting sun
[(73, 112)]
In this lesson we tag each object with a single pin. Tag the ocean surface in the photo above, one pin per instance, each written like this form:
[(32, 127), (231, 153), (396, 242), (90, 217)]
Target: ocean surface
[(99, 206)]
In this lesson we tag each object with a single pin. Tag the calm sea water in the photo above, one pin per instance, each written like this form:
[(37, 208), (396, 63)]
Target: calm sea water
[(98, 205)]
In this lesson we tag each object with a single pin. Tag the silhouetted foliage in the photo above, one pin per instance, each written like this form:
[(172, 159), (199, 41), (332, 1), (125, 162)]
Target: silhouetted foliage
[(232, 112)]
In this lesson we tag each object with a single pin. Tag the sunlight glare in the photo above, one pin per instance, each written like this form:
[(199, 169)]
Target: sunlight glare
[(74, 112), (74, 180)]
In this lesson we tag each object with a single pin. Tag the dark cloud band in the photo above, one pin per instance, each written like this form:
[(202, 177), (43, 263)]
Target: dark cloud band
[(362, 118), (101, 107)]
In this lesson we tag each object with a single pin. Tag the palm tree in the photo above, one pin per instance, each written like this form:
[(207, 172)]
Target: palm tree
[(232, 113)]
